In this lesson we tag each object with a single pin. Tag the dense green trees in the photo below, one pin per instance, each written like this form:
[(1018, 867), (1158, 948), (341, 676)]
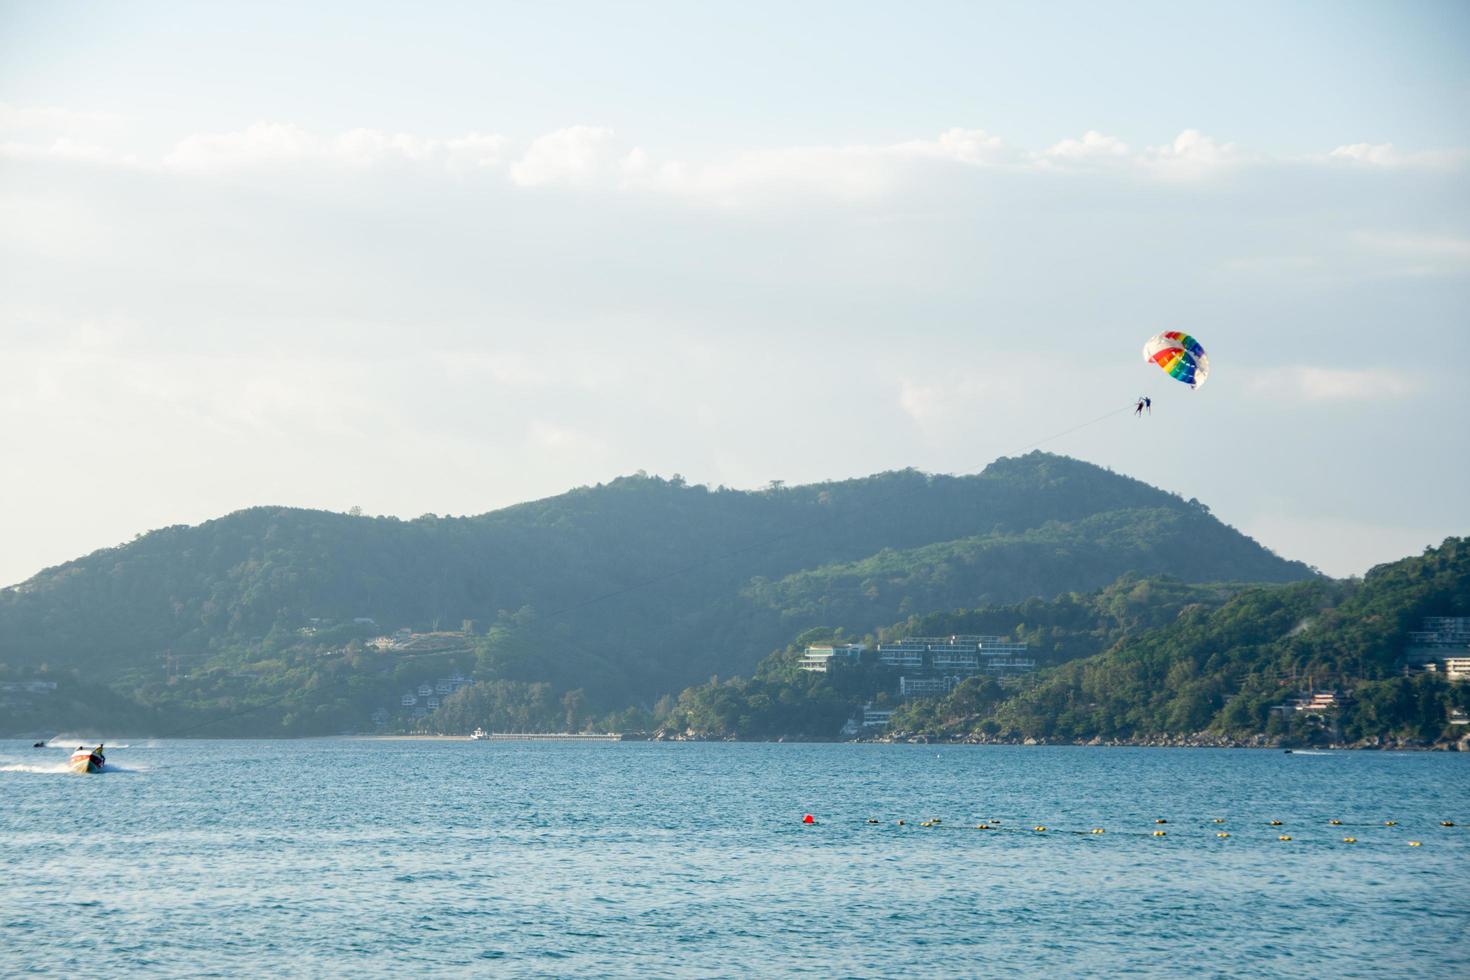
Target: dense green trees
[(1222, 670), (625, 591)]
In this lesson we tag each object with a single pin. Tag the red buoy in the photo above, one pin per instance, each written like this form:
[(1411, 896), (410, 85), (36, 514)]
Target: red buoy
[(808, 819)]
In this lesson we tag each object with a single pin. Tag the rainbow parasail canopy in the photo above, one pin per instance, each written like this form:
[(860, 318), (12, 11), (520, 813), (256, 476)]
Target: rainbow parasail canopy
[(1180, 355)]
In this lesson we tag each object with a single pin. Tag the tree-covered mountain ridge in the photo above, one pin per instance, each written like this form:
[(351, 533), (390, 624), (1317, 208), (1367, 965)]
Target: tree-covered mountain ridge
[(623, 590)]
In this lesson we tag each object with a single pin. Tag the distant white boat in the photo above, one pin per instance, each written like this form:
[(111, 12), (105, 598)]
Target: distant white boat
[(479, 735)]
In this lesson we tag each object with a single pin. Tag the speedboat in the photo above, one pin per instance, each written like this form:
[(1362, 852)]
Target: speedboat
[(85, 760), (479, 735)]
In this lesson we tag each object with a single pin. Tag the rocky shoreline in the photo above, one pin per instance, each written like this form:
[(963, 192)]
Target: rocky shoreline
[(1197, 741)]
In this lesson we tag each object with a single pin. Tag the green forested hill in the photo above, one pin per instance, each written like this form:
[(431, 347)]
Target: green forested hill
[(1223, 669), (1007, 565), (622, 591), (1150, 658)]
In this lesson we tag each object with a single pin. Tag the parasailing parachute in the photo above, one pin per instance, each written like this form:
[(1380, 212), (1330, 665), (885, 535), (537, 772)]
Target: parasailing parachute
[(1180, 355)]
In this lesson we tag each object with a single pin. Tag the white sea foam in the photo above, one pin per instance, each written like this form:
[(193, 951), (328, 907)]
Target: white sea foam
[(63, 769), (50, 769)]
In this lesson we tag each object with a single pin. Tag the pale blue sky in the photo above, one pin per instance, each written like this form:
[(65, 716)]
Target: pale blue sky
[(449, 257)]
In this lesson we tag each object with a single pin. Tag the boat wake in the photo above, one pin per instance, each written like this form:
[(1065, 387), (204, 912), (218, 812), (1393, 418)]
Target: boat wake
[(64, 769), (56, 767)]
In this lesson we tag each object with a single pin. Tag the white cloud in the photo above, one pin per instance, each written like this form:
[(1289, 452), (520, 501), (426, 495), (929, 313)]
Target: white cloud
[(1093, 146), (577, 156), (276, 145), (920, 402), (586, 156), (1191, 155), (972, 146), (1318, 384), (261, 144), (1388, 156)]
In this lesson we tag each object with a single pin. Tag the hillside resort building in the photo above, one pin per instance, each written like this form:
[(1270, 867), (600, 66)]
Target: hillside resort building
[(1441, 645), (927, 666)]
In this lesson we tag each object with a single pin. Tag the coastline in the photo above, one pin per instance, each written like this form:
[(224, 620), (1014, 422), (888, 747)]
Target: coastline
[(898, 738)]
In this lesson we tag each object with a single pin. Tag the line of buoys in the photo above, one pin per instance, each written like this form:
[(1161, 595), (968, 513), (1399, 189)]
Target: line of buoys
[(995, 824)]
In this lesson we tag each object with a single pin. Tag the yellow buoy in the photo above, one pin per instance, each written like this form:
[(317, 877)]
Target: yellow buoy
[(1335, 823), (982, 826), (1222, 834), (1446, 823), (1390, 823), (1413, 843), (1159, 833), (1349, 840), (1284, 837), (1219, 820), (1098, 830), (1040, 830)]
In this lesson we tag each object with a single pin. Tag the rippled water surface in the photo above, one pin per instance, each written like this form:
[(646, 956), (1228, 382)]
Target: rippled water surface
[(364, 857)]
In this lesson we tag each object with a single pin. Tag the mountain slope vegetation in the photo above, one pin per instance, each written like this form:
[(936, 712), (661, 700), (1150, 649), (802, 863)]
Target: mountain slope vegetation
[(1151, 659), (621, 591)]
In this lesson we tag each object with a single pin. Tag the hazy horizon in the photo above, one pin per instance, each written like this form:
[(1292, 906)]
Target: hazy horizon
[(450, 259)]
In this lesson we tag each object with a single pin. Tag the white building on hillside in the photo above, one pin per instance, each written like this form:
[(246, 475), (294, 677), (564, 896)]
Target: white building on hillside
[(821, 659)]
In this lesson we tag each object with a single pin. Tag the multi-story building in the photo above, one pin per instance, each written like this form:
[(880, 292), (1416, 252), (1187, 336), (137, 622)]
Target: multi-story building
[(1453, 668), (1440, 645), (876, 717), (962, 660), (963, 655), (821, 659), (1311, 703), (903, 654), (925, 687)]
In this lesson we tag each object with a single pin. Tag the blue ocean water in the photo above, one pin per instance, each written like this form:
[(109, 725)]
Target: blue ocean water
[(374, 858)]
